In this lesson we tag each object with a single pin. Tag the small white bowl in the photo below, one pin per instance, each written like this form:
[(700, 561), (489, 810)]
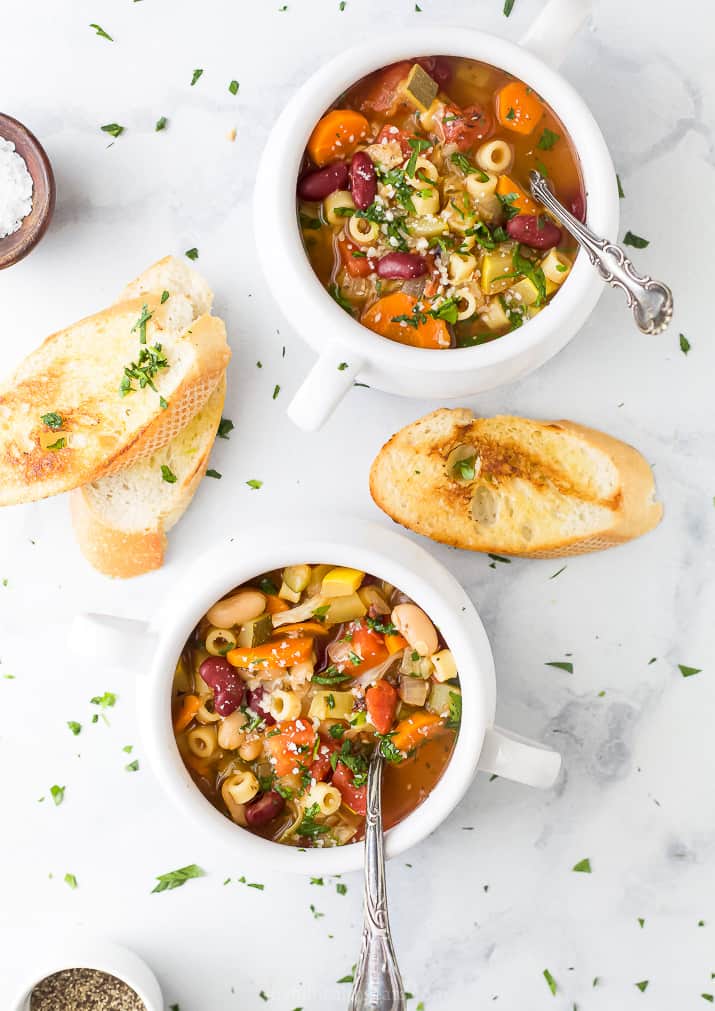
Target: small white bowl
[(153, 647), (340, 339), (76, 950)]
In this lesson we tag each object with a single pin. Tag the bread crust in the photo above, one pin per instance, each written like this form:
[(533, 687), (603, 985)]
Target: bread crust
[(408, 481)]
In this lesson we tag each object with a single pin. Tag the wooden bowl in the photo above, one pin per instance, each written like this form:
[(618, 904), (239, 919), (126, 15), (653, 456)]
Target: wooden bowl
[(14, 247)]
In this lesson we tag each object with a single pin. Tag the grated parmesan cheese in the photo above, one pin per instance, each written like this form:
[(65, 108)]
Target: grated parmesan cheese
[(15, 189)]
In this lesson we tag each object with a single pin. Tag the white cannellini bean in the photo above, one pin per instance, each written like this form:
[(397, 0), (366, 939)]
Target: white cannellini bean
[(230, 732), (413, 624), (241, 607)]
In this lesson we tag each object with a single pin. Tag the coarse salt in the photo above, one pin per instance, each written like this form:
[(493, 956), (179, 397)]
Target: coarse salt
[(15, 189)]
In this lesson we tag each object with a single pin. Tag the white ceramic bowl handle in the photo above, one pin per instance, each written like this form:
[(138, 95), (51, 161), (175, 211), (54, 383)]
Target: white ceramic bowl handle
[(118, 642), (518, 758), (324, 387), (551, 32)]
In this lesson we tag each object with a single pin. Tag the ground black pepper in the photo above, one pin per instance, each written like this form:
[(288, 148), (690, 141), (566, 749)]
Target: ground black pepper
[(84, 990)]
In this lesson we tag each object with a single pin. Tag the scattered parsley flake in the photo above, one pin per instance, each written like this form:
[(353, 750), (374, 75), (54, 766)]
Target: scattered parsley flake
[(133, 766), (195, 76), (317, 881), (631, 239), (643, 985), (71, 880), (161, 124), (499, 558), (621, 194), (547, 139), (276, 391), (560, 665), (225, 427), (688, 672), (101, 32), (550, 982), (254, 483), (342, 366), (233, 87), (558, 573), (164, 296), (684, 344), (167, 474), (508, 7), (583, 866), (58, 794), (341, 888), (52, 420), (213, 473), (114, 129), (177, 878), (263, 995), (105, 701), (641, 922), (192, 254), (59, 444)]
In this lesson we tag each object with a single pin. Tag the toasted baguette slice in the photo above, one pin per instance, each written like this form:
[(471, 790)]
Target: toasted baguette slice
[(542, 489), (175, 276), (121, 521), (76, 374)]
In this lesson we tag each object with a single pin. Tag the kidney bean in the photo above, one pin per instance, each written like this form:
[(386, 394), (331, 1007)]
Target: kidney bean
[(228, 688), (322, 182), (578, 208), (401, 265), (363, 180), (264, 809), (259, 707), (534, 230)]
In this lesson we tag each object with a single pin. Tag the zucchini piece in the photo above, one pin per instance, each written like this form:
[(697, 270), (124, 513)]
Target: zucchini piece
[(296, 577), (256, 632), (420, 89), (439, 698)]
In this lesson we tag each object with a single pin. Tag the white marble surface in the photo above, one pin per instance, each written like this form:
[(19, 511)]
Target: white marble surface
[(636, 796)]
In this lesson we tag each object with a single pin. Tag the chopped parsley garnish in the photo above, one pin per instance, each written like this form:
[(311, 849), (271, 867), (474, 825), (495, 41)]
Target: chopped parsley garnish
[(582, 867), (349, 977), (276, 391), (547, 139), (74, 726), (507, 203), (195, 76), (71, 880), (112, 128), (560, 665), (455, 710), (269, 588), (684, 344), (133, 766), (263, 995), (149, 363), (508, 7), (511, 114), (523, 265), (58, 794), (418, 145), (342, 366), (213, 473), (337, 731), (330, 676), (309, 827), (389, 751), (177, 878), (550, 982), (354, 658), (499, 558), (106, 701), (192, 254), (59, 444), (233, 87), (341, 889), (463, 163), (343, 302), (225, 427), (101, 32), (141, 323), (161, 124), (631, 239), (254, 483), (316, 914), (558, 572), (643, 985), (353, 760), (52, 420), (688, 672), (164, 296), (384, 627), (621, 194)]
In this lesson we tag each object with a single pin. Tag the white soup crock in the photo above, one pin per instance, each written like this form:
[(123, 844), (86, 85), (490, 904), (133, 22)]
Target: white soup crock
[(152, 647), (346, 349)]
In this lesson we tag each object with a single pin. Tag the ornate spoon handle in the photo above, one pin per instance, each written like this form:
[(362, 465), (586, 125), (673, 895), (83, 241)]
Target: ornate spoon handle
[(378, 983), (651, 301)]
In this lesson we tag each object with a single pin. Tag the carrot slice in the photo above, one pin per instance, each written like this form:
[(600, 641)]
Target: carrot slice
[(274, 605), (190, 705), (414, 729), (337, 135), (282, 653), (523, 203), (518, 107), (395, 643), (380, 318)]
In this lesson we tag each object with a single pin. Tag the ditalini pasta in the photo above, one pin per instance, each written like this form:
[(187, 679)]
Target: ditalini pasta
[(277, 710), (428, 160)]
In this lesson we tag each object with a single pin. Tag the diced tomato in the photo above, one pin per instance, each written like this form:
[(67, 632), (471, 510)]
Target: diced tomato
[(366, 644), (292, 746), (354, 796), (390, 133), (381, 93), (356, 266), (321, 768), (381, 701), (464, 127)]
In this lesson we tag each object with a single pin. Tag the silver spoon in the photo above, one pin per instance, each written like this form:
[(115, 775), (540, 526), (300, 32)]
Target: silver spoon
[(378, 983), (651, 301)]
